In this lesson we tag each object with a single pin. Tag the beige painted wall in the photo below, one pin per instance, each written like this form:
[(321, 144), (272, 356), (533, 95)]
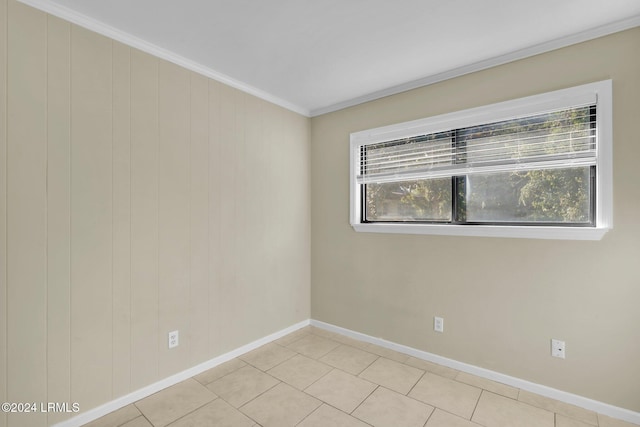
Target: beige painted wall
[(502, 299), (136, 198)]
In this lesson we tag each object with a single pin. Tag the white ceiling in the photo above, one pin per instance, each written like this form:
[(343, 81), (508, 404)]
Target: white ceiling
[(314, 56)]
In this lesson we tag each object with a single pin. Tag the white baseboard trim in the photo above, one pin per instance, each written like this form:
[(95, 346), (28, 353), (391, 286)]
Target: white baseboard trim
[(120, 402), (562, 396)]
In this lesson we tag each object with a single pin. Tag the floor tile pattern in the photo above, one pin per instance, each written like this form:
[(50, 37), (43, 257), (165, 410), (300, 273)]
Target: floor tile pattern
[(315, 378)]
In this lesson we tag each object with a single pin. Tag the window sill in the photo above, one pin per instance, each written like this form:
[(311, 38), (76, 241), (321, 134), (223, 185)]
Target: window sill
[(558, 233)]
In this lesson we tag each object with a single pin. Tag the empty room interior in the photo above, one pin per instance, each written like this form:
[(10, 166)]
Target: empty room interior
[(332, 213)]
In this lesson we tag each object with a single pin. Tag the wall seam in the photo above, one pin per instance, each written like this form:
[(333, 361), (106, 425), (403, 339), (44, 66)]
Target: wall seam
[(130, 216), (6, 195), (113, 327), (208, 116), (46, 211), (157, 124), (189, 319), (70, 208), (209, 311)]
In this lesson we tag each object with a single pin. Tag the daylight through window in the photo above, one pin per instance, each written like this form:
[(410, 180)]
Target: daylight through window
[(545, 168)]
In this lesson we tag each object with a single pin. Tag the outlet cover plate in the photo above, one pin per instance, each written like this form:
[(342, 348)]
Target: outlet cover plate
[(173, 339), (438, 324), (558, 348)]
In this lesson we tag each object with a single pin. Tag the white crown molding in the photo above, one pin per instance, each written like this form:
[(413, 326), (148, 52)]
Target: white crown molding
[(95, 413), (140, 44), (537, 49), (130, 40), (563, 396)]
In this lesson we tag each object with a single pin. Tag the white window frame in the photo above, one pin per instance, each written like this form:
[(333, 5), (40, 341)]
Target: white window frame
[(598, 93)]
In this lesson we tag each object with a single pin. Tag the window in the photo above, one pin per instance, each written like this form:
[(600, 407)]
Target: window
[(537, 167)]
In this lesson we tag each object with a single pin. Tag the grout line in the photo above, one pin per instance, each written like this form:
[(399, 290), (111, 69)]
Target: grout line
[(228, 373), (414, 386), (141, 415), (364, 400), (457, 415), (180, 417), (264, 392), (372, 362), (477, 403), (429, 417), (310, 413), (321, 377)]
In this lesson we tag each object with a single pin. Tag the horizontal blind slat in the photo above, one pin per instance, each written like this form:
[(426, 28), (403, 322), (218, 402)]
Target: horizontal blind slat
[(533, 142), (471, 169)]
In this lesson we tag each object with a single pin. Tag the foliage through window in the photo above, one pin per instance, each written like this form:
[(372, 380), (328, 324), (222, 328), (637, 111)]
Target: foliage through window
[(538, 169)]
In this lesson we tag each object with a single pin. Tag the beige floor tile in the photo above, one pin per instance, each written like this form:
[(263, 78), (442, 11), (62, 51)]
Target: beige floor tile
[(562, 421), (499, 411), (349, 359), (324, 333), (174, 402), (293, 336), (440, 418), (241, 386), (612, 422), (116, 418), (341, 390), (313, 346), (388, 353), (388, 408), (138, 422), (219, 371), (362, 345), (556, 406), (425, 365), (281, 406), (300, 371), (190, 404), (492, 386), (327, 416), (444, 393), (268, 356), (392, 375), (217, 413)]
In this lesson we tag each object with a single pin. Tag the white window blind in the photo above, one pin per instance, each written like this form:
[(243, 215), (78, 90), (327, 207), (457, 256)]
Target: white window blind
[(557, 139), (534, 167)]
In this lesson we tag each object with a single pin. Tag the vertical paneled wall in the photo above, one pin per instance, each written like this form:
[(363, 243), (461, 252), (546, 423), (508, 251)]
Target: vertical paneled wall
[(58, 211), (3, 208), (91, 216), (26, 220), (136, 198)]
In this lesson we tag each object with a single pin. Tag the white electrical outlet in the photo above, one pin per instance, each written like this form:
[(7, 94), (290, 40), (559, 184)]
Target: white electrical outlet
[(173, 339), (438, 324), (558, 348)]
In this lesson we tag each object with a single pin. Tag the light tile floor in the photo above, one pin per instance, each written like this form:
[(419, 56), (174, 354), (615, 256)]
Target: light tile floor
[(314, 378)]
